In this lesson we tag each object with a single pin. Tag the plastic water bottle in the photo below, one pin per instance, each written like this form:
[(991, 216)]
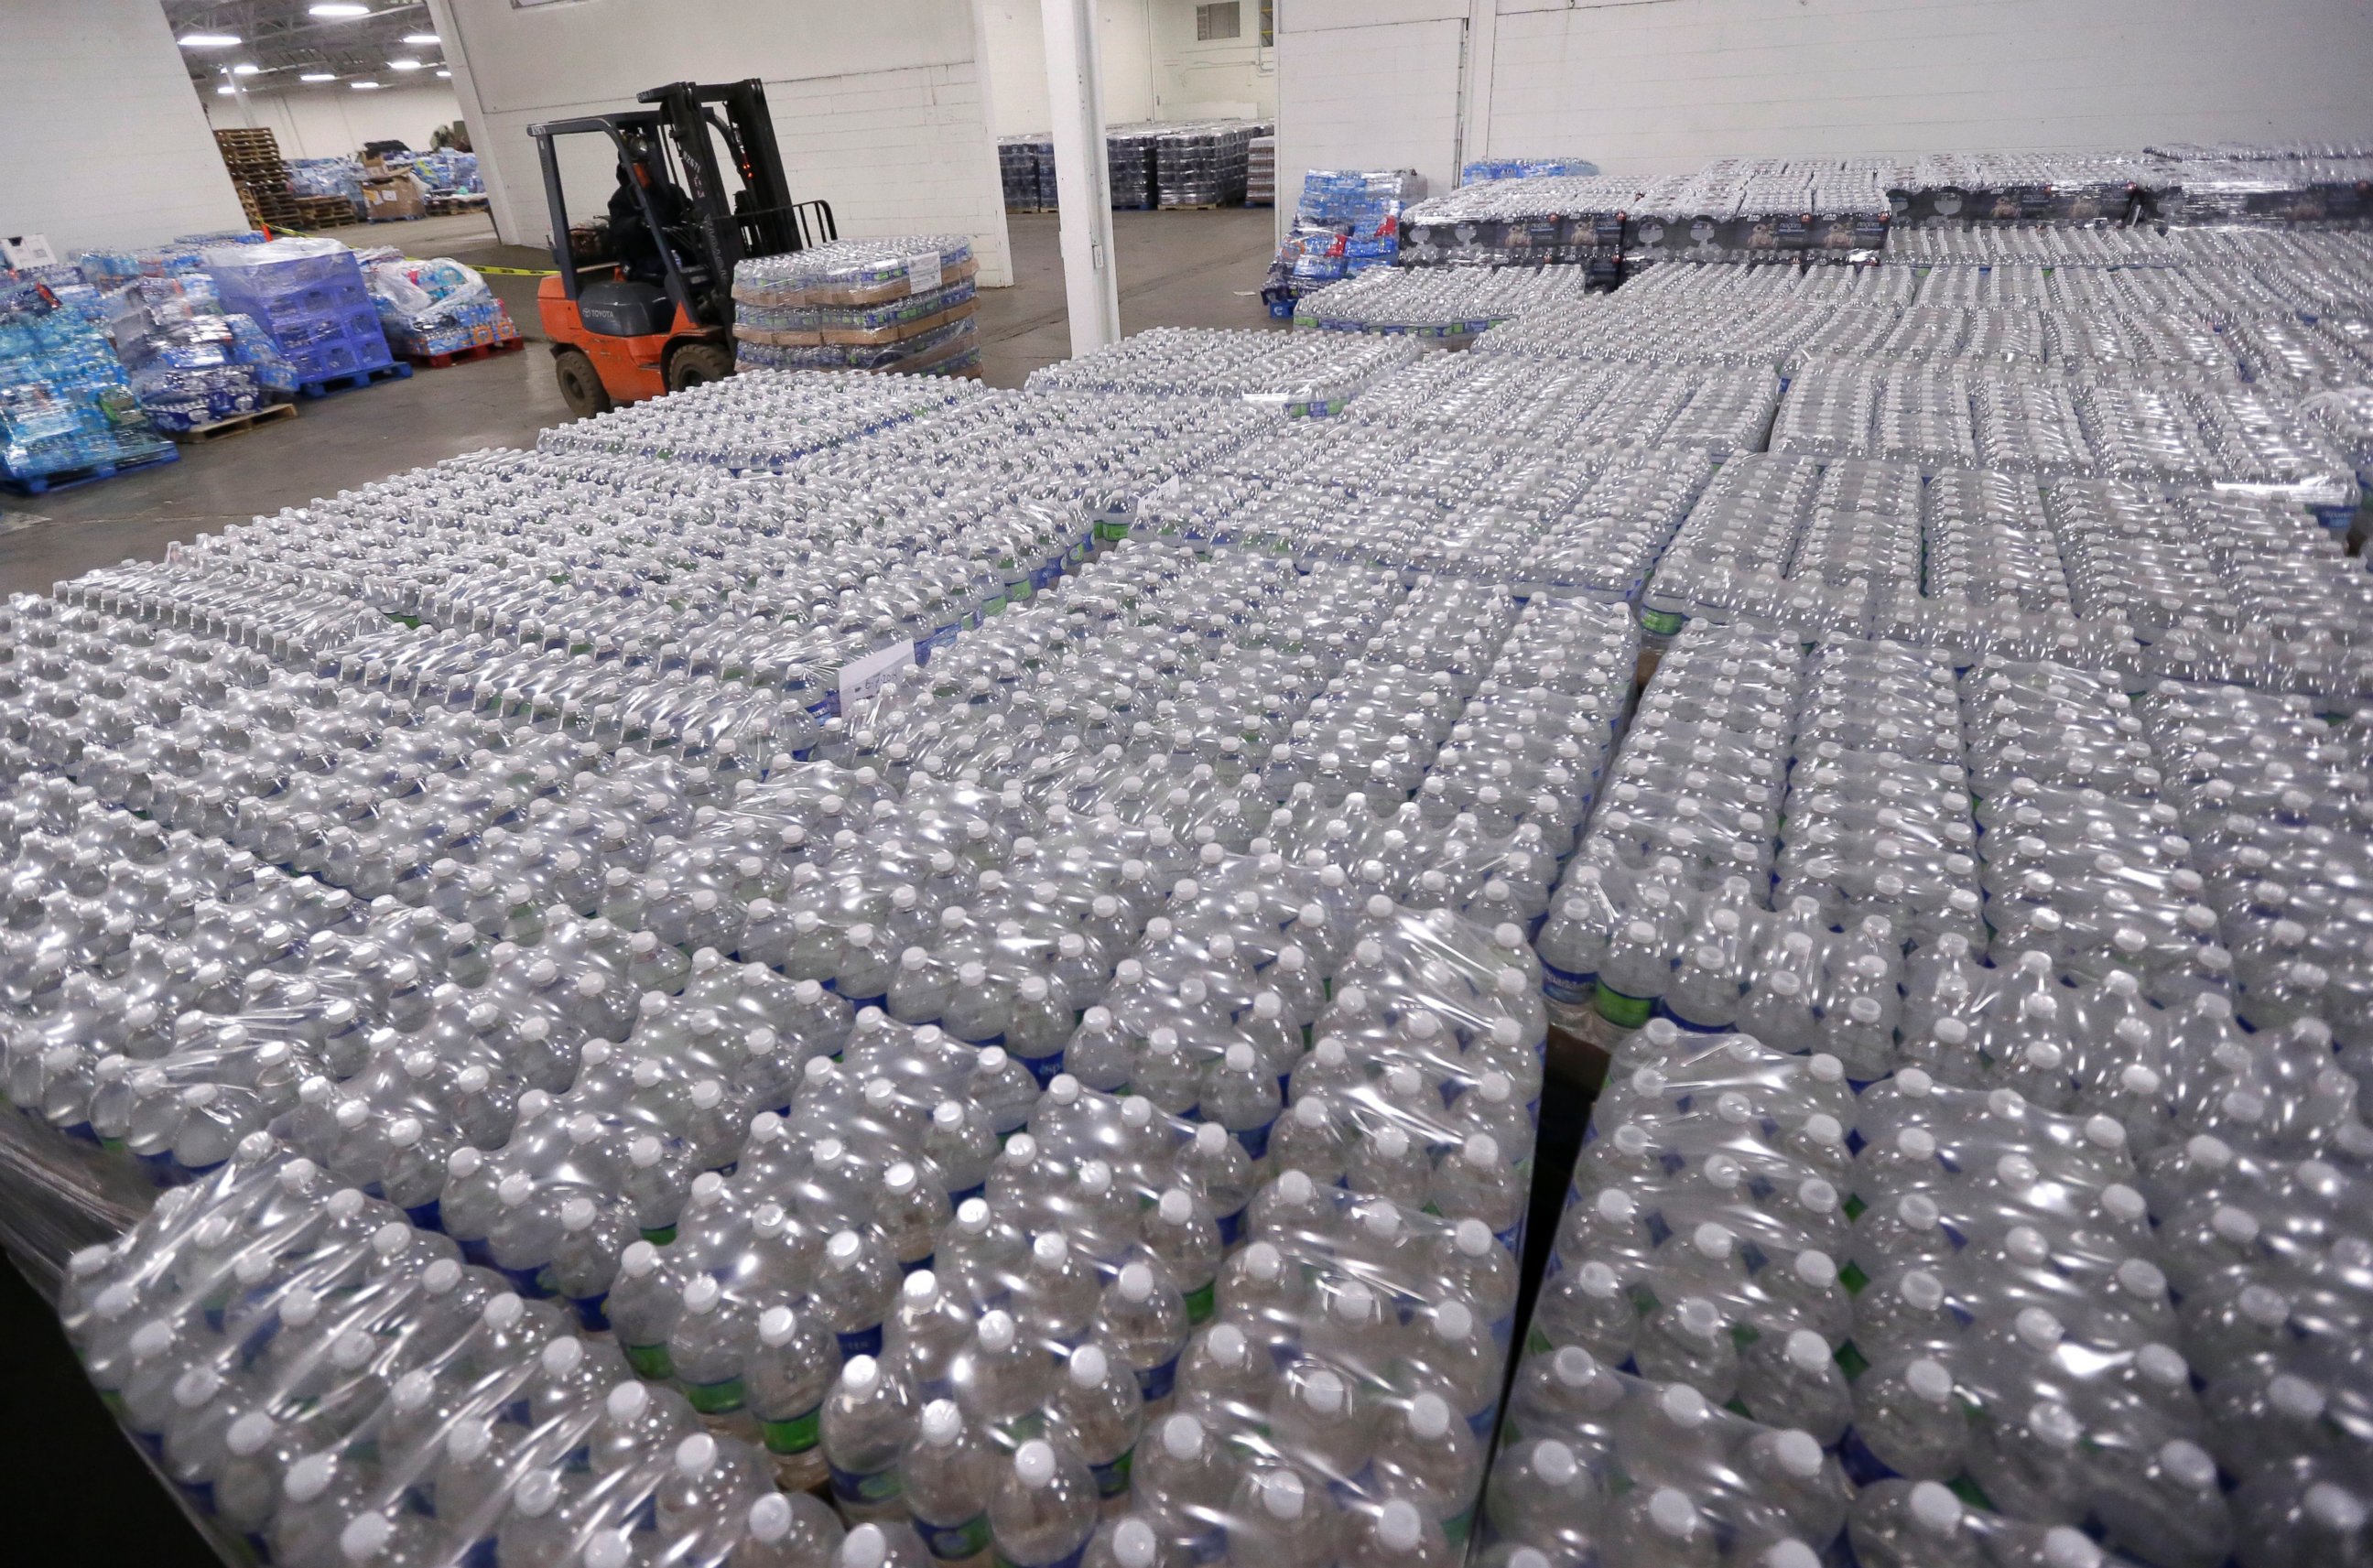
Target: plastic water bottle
[(865, 1427), (789, 1373), (945, 1477), (1044, 1509)]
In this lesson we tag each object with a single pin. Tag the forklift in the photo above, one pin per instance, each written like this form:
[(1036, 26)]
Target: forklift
[(645, 305)]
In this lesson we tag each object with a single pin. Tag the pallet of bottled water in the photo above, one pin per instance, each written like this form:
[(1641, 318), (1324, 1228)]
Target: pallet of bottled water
[(832, 973), (1301, 375), (1448, 304)]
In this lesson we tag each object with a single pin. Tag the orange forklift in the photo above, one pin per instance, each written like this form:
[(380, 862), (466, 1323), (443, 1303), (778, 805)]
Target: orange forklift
[(645, 305)]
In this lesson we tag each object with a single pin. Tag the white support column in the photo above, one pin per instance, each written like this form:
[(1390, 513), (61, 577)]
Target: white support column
[(1475, 91), (1082, 178)]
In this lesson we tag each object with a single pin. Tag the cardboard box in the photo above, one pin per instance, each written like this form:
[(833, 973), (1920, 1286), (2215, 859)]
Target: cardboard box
[(391, 196)]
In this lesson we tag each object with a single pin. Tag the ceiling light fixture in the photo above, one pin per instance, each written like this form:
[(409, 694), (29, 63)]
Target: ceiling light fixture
[(319, 76), (337, 10), (225, 91), (246, 70), (366, 87), (444, 73), (210, 41), (403, 64), (420, 40)]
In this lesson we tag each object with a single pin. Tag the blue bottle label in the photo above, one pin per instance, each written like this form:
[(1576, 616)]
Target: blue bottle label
[(865, 1489), (864, 1341), (1155, 1382)]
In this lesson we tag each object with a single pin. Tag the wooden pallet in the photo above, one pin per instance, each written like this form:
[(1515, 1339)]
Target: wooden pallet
[(353, 380), (72, 478), (236, 424), (463, 356)]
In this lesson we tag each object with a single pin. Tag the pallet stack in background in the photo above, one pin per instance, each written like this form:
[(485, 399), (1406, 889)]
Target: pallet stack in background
[(253, 156), (1154, 163), (1128, 160), (1026, 164), (1204, 163), (308, 295)]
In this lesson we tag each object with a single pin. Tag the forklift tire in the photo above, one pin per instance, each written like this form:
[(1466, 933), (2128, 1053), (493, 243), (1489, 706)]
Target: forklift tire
[(580, 384), (697, 364)]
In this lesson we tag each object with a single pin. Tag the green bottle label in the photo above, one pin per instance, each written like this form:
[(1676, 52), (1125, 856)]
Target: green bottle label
[(1661, 623), (1202, 1302), (715, 1398), (1628, 1012), (796, 1435), (648, 1360)]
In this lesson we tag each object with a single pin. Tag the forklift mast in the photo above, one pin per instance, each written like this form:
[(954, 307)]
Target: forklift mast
[(759, 218)]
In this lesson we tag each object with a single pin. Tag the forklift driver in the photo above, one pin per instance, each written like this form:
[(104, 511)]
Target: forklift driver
[(638, 249)]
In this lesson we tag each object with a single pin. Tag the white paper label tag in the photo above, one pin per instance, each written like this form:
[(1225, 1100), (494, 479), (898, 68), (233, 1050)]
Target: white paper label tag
[(860, 676), (923, 273)]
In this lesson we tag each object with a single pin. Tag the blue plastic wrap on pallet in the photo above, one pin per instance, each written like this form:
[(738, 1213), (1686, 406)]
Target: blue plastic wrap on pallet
[(63, 402)]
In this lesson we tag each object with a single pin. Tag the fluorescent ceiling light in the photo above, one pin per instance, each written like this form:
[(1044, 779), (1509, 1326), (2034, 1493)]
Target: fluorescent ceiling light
[(246, 70), (319, 76), (225, 91), (210, 41), (337, 9), (444, 73), (403, 64), (366, 87), (420, 39)]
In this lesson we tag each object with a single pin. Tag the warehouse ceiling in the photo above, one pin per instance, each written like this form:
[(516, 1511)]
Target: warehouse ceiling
[(286, 40)]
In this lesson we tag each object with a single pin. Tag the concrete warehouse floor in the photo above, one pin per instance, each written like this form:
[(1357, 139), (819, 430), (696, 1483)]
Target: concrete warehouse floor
[(1197, 269), (1177, 269)]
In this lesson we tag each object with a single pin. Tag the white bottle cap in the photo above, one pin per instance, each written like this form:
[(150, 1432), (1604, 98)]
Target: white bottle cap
[(1133, 1543), (2067, 1548), (627, 1401), (1684, 1406), (943, 1422), (770, 1518), (1799, 1453), (1399, 1527), (867, 1547), (1088, 1366), (1672, 1513), (861, 1376), (696, 1455), (1182, 1437), (1033, 1465), (2188, 1464), (365, 1537), (1781, 1554), (1934, 1508), (1281, 1495), (1807, 1351), (1928, 1380)]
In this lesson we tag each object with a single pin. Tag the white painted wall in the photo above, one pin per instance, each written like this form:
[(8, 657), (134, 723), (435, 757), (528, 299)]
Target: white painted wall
[(1016, 53), (1153, 69), (1658, 86), (881, 109), (1225, 78), (1367, 84), (334, 121), (106, 143)]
